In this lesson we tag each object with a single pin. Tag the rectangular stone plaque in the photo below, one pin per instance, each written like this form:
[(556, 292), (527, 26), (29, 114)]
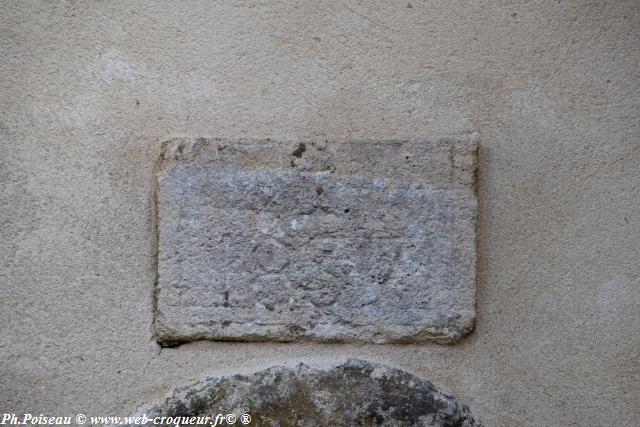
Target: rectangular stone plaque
[(357, 241)]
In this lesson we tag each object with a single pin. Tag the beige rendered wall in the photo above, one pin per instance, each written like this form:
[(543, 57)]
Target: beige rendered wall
[(88, 89)]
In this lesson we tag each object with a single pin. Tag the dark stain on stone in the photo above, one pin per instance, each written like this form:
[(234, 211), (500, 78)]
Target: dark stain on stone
[(296, 329), (299, 150)]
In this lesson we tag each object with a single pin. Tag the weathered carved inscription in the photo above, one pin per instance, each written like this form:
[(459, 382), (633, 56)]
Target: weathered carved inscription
[(359, 241)]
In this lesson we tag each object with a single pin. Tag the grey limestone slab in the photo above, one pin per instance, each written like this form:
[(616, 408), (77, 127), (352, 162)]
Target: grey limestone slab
[(369, 241)]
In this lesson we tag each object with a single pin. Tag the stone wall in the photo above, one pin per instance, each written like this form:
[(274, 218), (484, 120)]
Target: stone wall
[(89, 90)]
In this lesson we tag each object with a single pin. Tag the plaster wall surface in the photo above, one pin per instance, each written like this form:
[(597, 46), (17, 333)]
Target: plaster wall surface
[(89, 89)]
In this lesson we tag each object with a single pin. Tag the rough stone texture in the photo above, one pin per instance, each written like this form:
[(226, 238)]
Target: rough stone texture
[(358, 241), (356, 393), (89, 88)]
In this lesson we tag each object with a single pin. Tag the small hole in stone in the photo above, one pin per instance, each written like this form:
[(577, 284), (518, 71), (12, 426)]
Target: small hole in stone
[(346, 211)]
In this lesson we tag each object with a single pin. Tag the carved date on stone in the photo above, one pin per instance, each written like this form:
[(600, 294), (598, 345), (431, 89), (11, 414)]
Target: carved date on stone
[(360, 241), (356, 393)]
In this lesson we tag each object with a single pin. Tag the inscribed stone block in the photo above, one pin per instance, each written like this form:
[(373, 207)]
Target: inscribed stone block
[(370, 241)]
